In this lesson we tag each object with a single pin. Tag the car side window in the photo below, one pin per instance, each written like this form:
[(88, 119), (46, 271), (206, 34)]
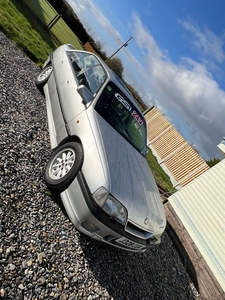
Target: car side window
[(88, 70)]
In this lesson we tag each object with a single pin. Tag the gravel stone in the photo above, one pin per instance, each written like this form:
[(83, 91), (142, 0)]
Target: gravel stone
[(42, 255)]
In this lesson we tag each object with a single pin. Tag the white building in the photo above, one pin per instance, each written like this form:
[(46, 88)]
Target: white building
[(221, 146)]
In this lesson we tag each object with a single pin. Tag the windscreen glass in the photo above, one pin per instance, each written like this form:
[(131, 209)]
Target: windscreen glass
[(123, 116)]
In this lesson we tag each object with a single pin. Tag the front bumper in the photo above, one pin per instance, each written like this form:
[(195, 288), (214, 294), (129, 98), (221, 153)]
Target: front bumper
[(89, 219)]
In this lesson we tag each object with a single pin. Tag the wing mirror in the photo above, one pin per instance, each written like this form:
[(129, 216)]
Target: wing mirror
[(85, 94)]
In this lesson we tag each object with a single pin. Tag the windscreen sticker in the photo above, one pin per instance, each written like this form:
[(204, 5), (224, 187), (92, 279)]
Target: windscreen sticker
[(137, 117), (129, 108), (123, 101)]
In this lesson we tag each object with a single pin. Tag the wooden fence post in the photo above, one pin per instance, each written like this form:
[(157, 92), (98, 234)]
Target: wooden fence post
[(53, 21)]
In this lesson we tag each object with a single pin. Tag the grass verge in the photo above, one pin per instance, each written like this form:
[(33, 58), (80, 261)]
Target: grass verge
[(160, 176), (29, 33)]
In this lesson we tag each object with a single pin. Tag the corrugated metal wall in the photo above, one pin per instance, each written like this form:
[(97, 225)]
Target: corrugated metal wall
[(180, 159), (200, 205)]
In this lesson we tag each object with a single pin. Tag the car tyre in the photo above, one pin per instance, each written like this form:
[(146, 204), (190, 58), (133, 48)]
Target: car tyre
[(63, 166), (43, 77)]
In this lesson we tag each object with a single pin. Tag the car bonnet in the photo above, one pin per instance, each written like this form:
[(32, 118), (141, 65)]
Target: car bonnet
[(131, 181)]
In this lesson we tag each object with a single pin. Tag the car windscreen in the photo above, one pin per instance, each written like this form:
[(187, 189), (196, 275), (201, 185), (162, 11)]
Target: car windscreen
[(123, 116), (88, 70)]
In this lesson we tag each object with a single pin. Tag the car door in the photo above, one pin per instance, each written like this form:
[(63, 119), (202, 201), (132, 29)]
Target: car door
[(73, 69), (66, 84)]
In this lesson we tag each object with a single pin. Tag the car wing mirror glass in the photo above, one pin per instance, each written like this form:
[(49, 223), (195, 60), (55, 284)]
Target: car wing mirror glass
[(86, 95)]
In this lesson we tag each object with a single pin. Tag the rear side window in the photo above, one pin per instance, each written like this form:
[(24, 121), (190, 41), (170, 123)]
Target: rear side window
[(88, 70)]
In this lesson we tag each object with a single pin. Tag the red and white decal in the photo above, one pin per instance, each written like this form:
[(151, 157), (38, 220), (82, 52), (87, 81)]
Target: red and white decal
[(137, 117), (128, 107)]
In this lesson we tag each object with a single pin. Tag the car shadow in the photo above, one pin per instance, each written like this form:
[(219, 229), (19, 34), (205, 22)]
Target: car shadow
[(153, 274)]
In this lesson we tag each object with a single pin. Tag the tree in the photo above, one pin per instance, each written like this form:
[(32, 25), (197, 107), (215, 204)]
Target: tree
[(136, 96), (116, 65), (98, 48), (213, 161)]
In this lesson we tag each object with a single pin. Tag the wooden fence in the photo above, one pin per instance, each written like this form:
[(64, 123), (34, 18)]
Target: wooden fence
[(173, 152)]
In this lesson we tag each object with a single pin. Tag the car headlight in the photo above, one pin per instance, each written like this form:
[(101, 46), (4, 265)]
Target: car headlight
[(110, 205)]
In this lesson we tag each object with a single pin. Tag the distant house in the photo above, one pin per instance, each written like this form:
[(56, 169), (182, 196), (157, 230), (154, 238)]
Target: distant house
[(178, 159), (88, 47), (221, 146)]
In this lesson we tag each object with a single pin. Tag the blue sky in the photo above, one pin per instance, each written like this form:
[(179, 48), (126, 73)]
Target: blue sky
[(176, 59)]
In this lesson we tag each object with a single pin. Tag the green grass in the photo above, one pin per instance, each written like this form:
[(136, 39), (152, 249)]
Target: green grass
[(18, 25), (29, 33), (45, 13), (160, 176)]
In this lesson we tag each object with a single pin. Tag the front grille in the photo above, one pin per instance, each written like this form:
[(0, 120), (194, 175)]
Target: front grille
[(137, 231)]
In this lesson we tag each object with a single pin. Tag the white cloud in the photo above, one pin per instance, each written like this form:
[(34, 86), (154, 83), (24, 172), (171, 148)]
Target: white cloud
[(79, 9), (206, 42), (82, 8), (187, 88)]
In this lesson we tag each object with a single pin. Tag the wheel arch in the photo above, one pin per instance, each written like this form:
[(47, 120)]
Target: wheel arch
[(48, 61), (69, 138)]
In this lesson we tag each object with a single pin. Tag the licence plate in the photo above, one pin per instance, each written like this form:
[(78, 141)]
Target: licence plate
[(130, 244)]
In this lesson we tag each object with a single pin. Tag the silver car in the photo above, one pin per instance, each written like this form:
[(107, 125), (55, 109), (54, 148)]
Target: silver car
[(98, 141)]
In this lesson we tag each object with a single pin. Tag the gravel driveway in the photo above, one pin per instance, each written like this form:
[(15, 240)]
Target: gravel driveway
[(42, 255)]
